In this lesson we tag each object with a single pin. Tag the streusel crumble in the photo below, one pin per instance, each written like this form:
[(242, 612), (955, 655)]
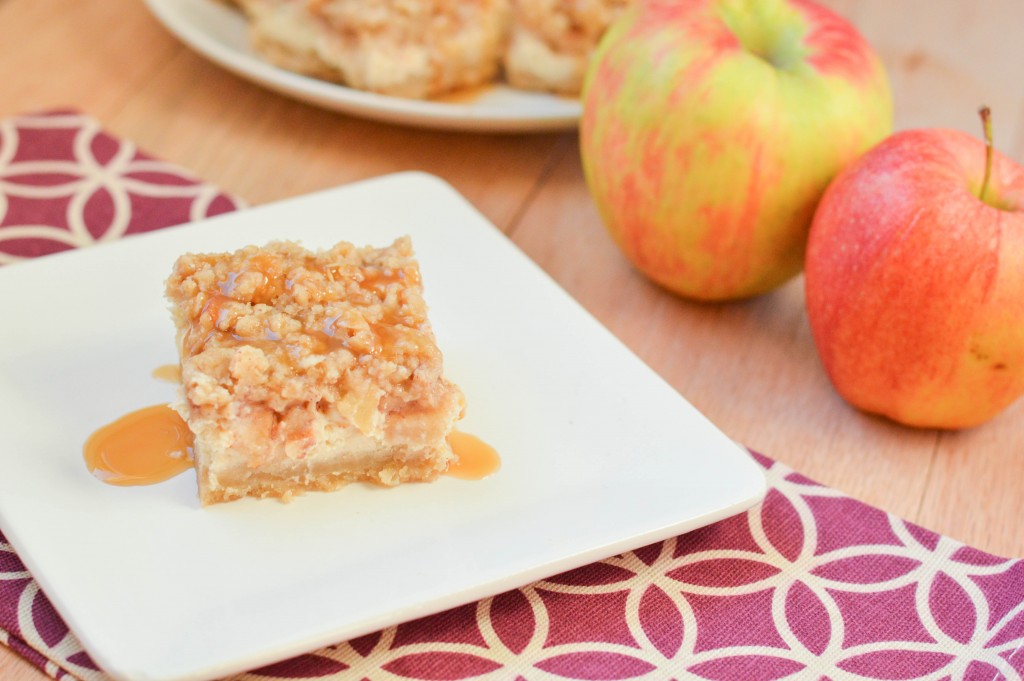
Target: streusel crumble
[(306, 370)]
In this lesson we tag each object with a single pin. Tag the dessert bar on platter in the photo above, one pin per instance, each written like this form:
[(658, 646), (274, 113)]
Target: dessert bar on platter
[(307, 370)]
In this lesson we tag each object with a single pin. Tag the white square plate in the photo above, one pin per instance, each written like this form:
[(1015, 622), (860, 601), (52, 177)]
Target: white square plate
[(599, 455)]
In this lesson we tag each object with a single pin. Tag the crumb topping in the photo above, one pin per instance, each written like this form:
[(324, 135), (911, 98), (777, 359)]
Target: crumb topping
[(298, 332)]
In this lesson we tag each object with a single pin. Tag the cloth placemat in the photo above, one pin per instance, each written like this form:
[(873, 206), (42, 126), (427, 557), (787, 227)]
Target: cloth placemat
[(810, 584)]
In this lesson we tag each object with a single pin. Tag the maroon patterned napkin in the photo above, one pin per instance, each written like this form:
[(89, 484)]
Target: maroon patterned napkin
[(808, 585)]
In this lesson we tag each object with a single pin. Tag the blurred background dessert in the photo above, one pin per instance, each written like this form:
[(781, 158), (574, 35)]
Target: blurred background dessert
[(550, 41), (426, 48), (404, 48)]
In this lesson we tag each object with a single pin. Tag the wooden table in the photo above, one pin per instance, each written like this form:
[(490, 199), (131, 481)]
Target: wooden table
[(750, 366)]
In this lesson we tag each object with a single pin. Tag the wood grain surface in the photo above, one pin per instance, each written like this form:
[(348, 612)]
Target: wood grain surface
[(750, 366)]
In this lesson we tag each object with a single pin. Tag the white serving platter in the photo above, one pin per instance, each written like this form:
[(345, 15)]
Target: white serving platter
[(599, 454), (218, 32)]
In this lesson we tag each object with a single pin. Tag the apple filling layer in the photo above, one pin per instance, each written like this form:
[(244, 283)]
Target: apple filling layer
[(305, 370)]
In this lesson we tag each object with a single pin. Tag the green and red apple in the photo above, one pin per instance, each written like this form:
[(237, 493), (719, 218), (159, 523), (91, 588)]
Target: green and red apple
[(711, 128), (915, 280)]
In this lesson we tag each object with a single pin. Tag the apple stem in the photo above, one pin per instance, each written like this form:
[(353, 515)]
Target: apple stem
[(986, 124)]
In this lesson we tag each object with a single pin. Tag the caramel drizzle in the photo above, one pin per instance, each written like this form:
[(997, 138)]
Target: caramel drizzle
[(329, 338)]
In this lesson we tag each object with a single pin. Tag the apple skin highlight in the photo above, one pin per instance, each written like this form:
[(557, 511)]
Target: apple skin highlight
[(711, 128), (915, 287)]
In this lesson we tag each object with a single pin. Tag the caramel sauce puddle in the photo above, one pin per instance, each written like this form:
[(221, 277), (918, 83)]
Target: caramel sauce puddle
[(141, 448), (477, 459)]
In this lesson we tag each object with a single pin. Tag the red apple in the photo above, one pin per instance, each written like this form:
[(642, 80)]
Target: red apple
[(710, 129), (915, 280)]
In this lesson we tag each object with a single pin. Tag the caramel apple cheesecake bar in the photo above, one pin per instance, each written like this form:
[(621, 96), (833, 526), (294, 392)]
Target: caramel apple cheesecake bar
[(404, 48), (307, 370)]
